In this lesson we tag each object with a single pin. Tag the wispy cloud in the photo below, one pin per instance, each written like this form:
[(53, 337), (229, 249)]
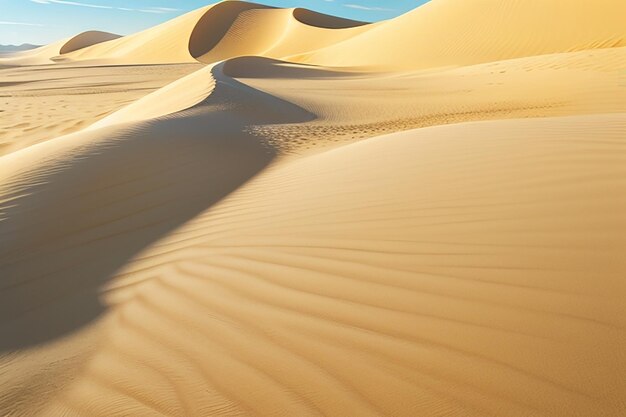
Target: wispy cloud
[(72, 3), (368, 8), (158, 10), (101, 6), (7, 22)]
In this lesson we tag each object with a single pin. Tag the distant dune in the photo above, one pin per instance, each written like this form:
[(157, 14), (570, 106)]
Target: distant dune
[(452, 32), (250, 210), (49, 53)]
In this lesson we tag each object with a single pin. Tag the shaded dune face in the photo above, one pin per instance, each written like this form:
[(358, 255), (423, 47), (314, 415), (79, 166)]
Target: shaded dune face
[(215, 23), (325, 21), (86, 39), (252, 67), (236, 28), (48, 294), (39, 303)]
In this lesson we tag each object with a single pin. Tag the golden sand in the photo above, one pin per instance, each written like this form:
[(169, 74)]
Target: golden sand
[(259, 211)]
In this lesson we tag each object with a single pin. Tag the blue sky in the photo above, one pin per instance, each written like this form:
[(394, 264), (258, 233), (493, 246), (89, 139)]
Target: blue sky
[(43, 21)]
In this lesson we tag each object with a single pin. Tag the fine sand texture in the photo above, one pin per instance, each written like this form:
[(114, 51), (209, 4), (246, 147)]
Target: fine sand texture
[(255, 211), (37, 105)]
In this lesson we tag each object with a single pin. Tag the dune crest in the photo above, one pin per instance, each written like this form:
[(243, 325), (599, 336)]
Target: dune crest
[(276, 33), (455, 33), (86, 39), (182, 94), (224, 30)]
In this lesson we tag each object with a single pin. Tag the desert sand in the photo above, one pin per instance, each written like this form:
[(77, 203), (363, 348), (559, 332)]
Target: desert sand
[(259, 211)]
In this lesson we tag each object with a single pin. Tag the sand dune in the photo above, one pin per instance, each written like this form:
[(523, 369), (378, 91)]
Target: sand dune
[(471, 302), (351, 106), (224, 30), (86, 39), (234, 28), (418, 217), (33, 109), (49, 53), (277, 33), (453, 33)]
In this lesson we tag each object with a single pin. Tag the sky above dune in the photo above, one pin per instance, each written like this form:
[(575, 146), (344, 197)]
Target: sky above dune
[(44, 21)]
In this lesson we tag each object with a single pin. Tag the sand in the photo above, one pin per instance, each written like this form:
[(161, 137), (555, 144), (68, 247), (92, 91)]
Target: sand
[(477, 31), (259, 211), (53, 101)]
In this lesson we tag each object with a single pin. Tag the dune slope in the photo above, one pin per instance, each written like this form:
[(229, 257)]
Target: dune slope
[(454, 33), (49, 53), (437, 272), (224, 30), (351, 106), (43, 103)]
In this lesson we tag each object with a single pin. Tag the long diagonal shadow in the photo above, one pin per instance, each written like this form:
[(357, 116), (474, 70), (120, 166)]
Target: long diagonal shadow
[(70, 224)]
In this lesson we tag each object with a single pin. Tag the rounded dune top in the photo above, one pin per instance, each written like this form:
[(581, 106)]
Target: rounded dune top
[(55, 51), (325, 21), (236, 28), (215, 23), (86, 39)]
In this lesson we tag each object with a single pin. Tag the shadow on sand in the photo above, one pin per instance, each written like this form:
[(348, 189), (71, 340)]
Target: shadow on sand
[(71, 224)]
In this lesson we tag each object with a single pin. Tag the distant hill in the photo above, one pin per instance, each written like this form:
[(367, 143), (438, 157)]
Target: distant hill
[(17, 48)]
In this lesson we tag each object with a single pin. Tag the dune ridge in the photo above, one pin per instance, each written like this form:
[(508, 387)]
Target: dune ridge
[(455, 33), (227, 29), (315, 216)]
